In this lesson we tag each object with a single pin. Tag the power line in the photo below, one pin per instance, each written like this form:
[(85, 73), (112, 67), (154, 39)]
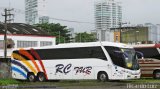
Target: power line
[(58, 19), (70, 20)]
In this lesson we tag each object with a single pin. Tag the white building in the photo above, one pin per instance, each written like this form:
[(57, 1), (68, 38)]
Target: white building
[(36, 11), (23, 36), (158, 32), (108, 14)]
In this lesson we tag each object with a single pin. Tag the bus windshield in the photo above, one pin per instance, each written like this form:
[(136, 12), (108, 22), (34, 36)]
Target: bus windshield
[(124, 57), (130, 58)]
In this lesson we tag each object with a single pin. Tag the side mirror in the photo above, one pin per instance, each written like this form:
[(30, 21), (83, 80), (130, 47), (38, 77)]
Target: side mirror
[(139, 55)]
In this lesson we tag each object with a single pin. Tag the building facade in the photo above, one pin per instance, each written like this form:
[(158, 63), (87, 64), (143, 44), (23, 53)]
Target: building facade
[(108, 14), (21, 35), (36, 11), (146, 34)]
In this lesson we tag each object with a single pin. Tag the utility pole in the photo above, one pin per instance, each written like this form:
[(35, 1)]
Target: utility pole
[(7, 13), (120, 27)]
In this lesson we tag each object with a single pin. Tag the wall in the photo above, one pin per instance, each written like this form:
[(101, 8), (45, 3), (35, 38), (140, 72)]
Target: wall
[(135, 35), (16, 38), (131, 34), (4, 70)]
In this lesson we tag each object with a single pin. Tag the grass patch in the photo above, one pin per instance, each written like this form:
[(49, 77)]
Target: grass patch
[(8, 81), (143, 80), (67, 83), (78, 83)]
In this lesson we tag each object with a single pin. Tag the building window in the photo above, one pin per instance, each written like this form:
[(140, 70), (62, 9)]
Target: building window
[(24, 44), (45, 43)]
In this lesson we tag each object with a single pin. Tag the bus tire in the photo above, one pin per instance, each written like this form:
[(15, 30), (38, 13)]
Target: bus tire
[(31, 77), (102, 76), (41, 77), (156, 74)]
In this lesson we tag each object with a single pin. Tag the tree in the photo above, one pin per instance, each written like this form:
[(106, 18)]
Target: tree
[(56, 29), (85, 37)]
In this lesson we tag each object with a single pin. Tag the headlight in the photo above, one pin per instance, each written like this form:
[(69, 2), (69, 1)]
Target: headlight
[(129, 65)]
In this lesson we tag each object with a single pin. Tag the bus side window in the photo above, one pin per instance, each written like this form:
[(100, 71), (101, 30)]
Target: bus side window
[(90, 53), (97, 53)]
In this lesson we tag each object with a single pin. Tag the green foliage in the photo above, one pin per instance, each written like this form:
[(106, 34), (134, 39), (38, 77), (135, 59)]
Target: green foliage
[(57, 30), (85, 37)]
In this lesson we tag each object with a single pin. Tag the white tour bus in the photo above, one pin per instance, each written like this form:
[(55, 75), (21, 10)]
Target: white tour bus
[(76, 61)]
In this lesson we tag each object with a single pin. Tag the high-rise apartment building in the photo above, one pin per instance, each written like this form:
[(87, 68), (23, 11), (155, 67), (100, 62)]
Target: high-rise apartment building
[(36, 11), (108, 14)]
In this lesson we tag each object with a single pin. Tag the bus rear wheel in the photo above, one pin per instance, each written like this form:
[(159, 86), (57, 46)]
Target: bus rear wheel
[(156, 74), (31, 77), (41, 77), (102, 77)]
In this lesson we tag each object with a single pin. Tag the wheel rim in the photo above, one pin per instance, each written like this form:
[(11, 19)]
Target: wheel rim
[(31, 78), (158, 75), (41, 78), (102, 77)]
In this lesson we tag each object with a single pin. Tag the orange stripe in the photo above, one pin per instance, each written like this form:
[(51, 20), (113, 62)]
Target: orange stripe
[(35, 54), (29, 56)]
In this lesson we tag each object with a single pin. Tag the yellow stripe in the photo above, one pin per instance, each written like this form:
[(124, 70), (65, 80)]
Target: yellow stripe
[(17, 56)]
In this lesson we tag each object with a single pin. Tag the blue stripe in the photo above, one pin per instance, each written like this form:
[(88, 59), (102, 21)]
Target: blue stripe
[(19, 71), (20, 65)]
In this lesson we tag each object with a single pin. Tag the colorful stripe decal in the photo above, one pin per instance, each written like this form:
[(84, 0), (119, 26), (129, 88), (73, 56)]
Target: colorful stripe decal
[(19, 57), (19, 71), (29, 56), (35, 54), (19, 64)]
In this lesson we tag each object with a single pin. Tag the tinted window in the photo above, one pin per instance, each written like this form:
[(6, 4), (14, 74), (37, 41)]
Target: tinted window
[(116, 59), (149, 52), (71, 53)]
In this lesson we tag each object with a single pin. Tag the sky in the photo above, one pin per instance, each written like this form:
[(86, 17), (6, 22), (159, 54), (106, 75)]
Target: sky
[(134, 11)]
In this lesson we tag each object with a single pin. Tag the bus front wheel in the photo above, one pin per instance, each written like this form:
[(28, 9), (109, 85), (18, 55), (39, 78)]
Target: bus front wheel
[(102, 76), (31, 77), (41, 77)]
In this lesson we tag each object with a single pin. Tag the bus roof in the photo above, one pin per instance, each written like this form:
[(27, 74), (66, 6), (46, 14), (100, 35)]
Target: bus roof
[(147, 46), (87, 44)]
